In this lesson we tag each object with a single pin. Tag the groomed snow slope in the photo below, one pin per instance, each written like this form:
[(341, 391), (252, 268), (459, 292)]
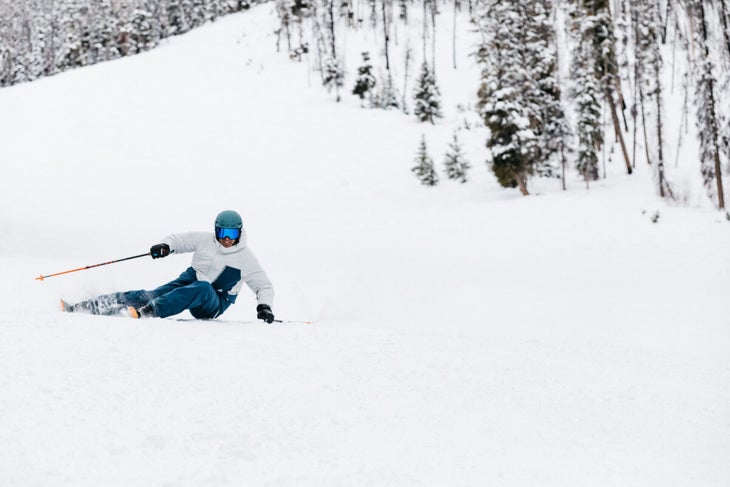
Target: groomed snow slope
[(463, 335)]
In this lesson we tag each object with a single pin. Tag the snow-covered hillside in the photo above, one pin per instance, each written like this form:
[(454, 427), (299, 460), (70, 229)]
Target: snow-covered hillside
[(463, 335)]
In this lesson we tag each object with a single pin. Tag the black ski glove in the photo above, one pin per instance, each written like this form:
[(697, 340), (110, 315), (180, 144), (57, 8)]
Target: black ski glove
[(265, 313), (160, 250)]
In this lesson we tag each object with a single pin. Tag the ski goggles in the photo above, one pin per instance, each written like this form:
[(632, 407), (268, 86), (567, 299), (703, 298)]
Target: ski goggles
[(232, 233)]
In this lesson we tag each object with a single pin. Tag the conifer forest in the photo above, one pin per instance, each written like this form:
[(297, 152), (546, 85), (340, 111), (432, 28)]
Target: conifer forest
[(559, 78)]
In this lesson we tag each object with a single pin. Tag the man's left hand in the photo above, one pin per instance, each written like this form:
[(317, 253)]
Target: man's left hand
[(264, 313)]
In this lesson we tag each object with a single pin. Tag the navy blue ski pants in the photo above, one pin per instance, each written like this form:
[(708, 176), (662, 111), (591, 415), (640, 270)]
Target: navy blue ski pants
[(185, 292)]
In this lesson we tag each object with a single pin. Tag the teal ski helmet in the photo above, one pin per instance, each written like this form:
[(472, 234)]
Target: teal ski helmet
[(228, 223)]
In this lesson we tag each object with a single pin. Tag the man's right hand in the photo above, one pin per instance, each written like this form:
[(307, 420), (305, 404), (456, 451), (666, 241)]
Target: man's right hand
[(160, 250)]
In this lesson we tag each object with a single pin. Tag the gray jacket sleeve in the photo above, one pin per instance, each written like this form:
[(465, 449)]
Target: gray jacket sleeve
[(182, 243), (257, 280)]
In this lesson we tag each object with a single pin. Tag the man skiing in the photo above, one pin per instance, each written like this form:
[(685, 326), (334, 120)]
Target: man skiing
[(220, 265)]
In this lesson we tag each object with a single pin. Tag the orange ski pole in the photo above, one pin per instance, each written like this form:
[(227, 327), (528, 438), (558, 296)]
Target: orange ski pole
[(41, 277)]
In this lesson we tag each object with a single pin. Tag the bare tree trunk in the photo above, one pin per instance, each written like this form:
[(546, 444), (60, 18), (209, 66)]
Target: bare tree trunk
[(331, 13), (288, 35), (664, 188), (643, 124), (712, 115), (386, 37), (453, 38), (563, 163), (522, 184), (603, 146), (724, 20), (320, 40), (425, 27), (617, 129), (667, 13), (434, 6), (622, 103), (637, 87), (406, 69)]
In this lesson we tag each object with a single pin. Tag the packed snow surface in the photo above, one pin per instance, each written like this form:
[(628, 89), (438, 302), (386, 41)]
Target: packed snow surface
[(462, 335)]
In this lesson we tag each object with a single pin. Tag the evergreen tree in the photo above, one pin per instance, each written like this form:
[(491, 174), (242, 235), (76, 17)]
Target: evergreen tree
[(365, 81), (388, 95), (598, 31), (69, 54), (586, 93), (424, 168), (708, 117), (544, 95), (427, 97), (144, 31), (333, 75), (456, 166), (177, 18), (504, 93)]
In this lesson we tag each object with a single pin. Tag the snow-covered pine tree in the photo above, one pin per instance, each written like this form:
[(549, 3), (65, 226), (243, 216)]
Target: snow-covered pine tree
[(543, 93), (601, 29), (503, 103), (455, 164), (333, 75), (589, 129), (198, 13), (39, 34), (144, 31), (365, 81), (708, 117), (69, 54), (177, 18), (387, 96), (424, 168), (427, 97), (107, 32), (586, 95)]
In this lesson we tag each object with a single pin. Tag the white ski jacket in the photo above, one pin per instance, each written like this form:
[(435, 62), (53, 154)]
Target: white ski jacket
[(225, 268)]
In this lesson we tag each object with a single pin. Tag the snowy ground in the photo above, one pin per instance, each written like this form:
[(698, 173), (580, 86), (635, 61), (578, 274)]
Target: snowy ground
[(463, 335)]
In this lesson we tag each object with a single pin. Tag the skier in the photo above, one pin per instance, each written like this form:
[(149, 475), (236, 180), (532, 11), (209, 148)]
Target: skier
[(221, 262)]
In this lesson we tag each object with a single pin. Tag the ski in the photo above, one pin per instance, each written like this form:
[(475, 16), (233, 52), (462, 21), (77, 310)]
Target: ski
[(130, 312), (237, 322)]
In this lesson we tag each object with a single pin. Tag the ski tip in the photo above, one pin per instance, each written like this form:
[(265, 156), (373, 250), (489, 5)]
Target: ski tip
[(65, 307)]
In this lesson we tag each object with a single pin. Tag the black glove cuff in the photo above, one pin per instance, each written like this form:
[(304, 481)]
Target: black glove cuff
[(261, 307)]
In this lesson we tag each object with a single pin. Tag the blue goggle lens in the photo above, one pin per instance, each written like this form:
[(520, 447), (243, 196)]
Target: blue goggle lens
[(232, 233)]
